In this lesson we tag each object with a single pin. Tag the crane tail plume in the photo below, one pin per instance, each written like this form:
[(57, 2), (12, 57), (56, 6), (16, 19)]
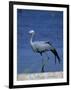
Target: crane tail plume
[(56, 55)]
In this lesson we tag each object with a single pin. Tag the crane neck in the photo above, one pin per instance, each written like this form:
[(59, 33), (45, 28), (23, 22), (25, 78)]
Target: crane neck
[(31, 39)]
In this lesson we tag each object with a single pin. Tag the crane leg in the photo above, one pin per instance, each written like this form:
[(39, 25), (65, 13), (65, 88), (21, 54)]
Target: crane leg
[(47, 56), (42, 69)]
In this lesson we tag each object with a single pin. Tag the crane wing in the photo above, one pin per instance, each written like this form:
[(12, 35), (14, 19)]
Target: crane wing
[(46, 42), (56, 54), (53, 50)]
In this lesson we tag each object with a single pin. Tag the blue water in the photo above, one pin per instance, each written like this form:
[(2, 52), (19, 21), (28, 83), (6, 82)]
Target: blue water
[(48, 26)]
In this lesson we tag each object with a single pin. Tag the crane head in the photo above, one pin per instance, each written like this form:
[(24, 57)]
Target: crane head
[(31, 32)]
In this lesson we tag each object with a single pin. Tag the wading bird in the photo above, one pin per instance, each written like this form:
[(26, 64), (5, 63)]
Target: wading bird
[(42, 46)]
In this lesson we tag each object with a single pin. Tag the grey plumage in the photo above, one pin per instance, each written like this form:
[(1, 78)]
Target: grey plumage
[(42, 46)]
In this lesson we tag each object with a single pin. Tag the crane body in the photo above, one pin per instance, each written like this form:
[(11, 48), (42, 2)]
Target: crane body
[(42, 47)]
